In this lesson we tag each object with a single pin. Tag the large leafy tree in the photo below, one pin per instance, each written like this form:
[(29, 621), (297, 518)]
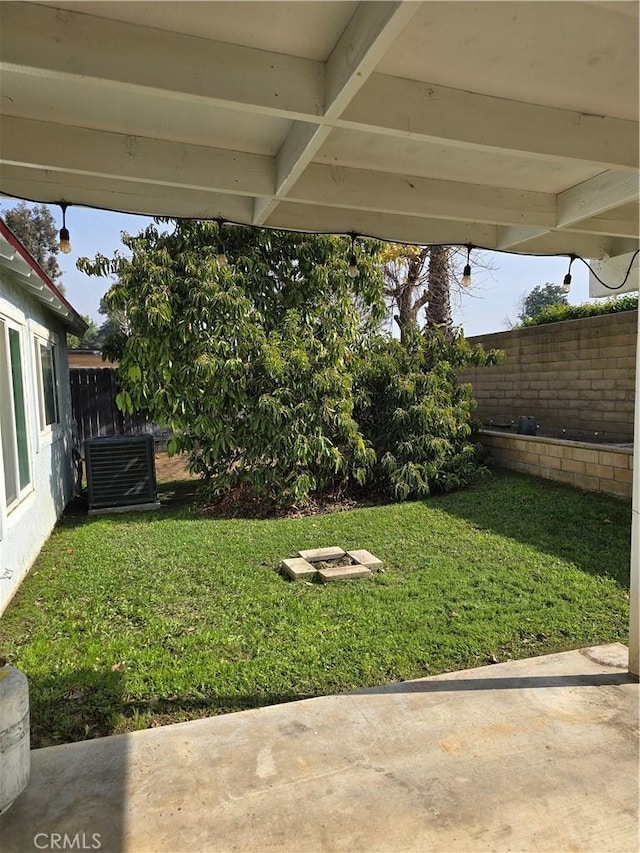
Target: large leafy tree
[(250, 363), (36, 229), (541, 297)]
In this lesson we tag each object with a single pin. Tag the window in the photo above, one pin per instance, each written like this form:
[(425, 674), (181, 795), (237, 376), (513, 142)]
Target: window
[(47, 383), (13, 421)]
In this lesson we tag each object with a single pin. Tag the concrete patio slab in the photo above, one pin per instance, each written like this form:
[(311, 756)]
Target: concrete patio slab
[(533, 755)]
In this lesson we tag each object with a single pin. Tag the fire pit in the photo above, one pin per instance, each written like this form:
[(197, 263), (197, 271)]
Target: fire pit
[(331, 564)]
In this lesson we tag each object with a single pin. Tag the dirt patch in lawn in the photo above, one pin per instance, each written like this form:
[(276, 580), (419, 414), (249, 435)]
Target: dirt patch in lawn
[(170, 469), (176, 486), (239, 504)]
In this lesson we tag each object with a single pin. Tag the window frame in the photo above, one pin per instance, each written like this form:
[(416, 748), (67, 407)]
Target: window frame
[(8, 324), (47, 341)]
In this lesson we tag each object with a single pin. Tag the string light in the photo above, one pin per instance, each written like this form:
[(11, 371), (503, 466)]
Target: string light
[(353, 271), (353, 264), (222, 255), (466, 273), (64, 245), (566, 284)]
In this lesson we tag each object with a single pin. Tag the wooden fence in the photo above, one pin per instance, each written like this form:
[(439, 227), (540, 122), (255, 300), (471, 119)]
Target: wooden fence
[(93, 403)]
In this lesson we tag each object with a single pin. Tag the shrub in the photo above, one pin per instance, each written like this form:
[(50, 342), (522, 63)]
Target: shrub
[(416, 415), (250, 363), (558, 313)]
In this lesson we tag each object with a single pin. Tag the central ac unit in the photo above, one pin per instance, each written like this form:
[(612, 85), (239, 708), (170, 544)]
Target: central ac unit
[(120, 473)]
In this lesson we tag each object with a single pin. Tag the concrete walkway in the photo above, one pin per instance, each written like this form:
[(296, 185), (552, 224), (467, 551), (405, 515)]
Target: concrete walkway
[(535, 755)]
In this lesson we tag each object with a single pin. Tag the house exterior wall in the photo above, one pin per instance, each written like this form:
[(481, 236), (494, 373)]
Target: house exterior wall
[(27, 523), (592, 467), (578, 375)]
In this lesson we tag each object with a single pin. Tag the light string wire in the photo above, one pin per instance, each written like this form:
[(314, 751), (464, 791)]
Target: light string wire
[(352, 235)]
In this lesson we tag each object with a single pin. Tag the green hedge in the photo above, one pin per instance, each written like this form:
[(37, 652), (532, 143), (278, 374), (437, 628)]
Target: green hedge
[(558, 313)]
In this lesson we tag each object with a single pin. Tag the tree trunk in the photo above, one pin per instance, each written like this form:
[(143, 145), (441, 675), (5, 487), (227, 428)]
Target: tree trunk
[(438, 307), (406, 317), (408, 303)]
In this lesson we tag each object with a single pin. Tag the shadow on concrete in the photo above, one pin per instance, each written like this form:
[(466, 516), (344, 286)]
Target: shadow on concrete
[(54, 804), (446, 685)]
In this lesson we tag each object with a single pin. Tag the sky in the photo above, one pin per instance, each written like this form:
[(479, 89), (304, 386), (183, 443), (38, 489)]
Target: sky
[(484, 308)]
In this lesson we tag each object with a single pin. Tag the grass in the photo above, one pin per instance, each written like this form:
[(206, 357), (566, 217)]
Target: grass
[(136, 620)]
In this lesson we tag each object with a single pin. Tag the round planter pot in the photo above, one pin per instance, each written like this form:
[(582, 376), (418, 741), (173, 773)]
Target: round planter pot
[(15, 760)]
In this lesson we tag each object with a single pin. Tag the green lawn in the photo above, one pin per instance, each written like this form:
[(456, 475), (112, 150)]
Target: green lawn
[(129, 621)]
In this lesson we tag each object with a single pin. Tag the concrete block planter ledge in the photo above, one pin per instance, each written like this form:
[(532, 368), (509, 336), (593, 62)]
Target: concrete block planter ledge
[(331, 564)]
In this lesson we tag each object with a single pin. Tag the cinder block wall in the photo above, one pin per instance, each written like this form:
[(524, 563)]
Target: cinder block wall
[(577, 375), (591, 467)]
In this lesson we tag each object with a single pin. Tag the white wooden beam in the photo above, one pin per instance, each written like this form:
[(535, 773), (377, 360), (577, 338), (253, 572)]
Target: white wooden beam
[(125, 196), (338, 186), (575, 243), (407, 108), (410, 229), (61, 44), (373, 28), (599, 207), (370, 32), (596, 196), (300, 146), (516, 236), (622, 225), (36, 144), (424, 231)]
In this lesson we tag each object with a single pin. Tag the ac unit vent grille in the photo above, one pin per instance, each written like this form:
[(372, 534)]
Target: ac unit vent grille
[(120, 471)]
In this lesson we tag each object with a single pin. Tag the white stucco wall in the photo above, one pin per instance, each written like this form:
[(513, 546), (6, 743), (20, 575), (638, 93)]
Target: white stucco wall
[(26, 525)]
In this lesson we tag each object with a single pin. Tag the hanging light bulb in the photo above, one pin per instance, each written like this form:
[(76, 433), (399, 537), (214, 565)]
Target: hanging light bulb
[(566, 283), (352, 270), (64, 245), (222, 255), (466, 272)]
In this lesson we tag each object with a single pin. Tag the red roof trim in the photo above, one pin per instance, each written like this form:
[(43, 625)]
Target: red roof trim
[(24, 254)]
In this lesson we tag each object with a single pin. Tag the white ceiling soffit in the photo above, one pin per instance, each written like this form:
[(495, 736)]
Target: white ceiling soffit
[(508, 125)]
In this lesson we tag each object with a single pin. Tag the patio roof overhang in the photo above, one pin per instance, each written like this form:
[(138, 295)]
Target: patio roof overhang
[(506, 125)]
